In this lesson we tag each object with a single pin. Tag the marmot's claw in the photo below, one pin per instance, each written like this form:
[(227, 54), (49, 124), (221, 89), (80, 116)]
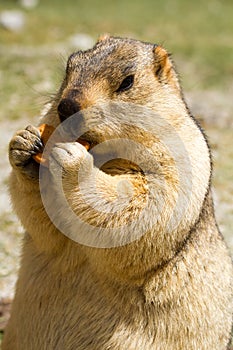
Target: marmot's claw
[(22, 147), (34, 130)]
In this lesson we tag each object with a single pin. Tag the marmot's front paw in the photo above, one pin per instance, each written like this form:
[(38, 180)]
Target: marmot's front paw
[(22, 147), (70, 158)]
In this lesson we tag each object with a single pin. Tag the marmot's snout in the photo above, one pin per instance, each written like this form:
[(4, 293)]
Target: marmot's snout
[(67, 107)]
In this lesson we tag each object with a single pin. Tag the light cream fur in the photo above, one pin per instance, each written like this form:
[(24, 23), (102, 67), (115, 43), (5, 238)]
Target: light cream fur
[(169, 289)]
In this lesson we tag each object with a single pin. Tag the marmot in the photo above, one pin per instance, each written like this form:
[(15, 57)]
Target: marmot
[(154, 271)]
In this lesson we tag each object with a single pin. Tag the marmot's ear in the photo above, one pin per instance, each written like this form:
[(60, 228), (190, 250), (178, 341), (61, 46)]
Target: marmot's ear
[(103, 37), (163, 66)]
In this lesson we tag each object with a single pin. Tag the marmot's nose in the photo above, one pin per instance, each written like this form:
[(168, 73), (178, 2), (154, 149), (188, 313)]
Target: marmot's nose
[(67, 107)]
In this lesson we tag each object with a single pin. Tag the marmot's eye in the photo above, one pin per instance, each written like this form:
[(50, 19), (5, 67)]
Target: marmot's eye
[(126, 84)]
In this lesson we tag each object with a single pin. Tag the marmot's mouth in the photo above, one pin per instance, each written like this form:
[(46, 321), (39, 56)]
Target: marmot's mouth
[(87, 143), (106, 159)]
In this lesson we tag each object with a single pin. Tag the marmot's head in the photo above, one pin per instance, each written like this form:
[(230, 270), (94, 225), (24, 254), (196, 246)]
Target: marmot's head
[(113, 88), (118, 70), (125, 100)]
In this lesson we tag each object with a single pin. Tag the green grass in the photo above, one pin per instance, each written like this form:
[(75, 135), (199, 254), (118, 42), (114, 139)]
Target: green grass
[(197, 32)]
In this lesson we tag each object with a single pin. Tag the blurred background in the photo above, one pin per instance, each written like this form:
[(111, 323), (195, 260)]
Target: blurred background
[(36, 37)]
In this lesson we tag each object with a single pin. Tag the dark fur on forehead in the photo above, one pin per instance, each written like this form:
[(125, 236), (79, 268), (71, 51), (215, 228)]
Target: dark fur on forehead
[(110, 46), (98, 61), (121, 41)]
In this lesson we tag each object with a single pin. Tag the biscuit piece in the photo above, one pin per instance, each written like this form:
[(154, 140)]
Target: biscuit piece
[(46, 131)]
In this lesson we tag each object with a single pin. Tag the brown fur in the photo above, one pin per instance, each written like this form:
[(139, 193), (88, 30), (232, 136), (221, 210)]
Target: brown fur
[(167, 290)]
